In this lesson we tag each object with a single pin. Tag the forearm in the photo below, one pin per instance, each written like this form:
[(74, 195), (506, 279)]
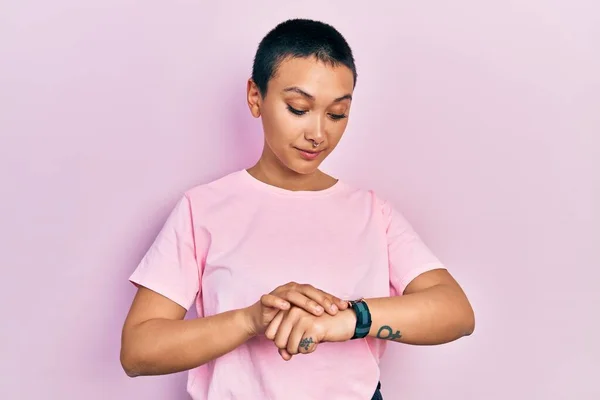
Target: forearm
[(163, 346), (436, 315)]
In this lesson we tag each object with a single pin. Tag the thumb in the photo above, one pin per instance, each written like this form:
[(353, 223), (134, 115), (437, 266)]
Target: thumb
[(285, 355)]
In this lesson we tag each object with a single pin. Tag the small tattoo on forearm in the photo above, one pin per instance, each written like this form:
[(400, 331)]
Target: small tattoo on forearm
[(386, 332), (305, 343)]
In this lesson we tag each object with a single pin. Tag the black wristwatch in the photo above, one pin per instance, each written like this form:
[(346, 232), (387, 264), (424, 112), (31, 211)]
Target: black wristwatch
[(363, 318)]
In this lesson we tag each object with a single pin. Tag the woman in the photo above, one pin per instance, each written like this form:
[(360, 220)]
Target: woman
[(282, 258)]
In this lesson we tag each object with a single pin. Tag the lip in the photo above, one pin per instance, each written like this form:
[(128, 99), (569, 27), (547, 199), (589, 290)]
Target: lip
[(309, 154)]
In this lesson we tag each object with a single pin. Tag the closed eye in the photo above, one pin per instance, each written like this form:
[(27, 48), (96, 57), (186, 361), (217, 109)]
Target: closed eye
[(334, 117), (337, 117), (295, 111)]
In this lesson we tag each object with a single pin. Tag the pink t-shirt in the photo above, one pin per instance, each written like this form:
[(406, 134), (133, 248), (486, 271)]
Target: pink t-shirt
[(229, 241)]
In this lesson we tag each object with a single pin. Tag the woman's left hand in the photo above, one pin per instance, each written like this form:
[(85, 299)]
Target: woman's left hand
[(297, 331)]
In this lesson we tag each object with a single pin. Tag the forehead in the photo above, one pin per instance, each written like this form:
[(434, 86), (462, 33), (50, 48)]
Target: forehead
[(319, 78)]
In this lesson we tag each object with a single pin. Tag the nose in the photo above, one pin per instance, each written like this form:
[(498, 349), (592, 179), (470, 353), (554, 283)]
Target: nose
[(316, 134)]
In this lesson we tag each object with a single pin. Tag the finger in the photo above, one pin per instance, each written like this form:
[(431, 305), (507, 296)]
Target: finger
[(329, 306), (342, 304), (283, 332), (307, 345), (285, 355), (320, 297), (293, 343), (274, 325), (270, 300), (300, 300)]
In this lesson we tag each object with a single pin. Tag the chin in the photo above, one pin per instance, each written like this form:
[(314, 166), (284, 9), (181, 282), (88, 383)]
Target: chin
[(303, 167)]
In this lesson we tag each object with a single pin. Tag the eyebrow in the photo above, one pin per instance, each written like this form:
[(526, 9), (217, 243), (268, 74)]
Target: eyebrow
[(309, 96)]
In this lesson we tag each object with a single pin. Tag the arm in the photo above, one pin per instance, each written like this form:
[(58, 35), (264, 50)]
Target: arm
[(156, 340), (433, 310)]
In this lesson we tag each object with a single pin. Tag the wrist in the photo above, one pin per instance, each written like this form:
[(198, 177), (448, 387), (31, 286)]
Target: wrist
[(348, 318), (246, 320)]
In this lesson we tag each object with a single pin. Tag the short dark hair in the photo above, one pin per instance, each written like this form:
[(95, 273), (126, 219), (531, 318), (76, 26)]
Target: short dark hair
[(300, 38)]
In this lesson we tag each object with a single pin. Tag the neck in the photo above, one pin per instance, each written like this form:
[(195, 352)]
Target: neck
[(270, 170)]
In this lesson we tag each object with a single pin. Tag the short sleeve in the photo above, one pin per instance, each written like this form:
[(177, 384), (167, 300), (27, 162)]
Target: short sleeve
[(408, 256), (170, 266)]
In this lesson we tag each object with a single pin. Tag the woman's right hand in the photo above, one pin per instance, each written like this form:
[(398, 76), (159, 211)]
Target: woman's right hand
[(307, 297)]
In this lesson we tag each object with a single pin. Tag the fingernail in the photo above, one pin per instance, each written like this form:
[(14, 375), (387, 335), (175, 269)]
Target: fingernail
[(319, 308), (333, 308)]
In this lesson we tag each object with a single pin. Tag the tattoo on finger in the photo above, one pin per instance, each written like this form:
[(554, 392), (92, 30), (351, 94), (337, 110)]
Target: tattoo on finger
[(305, 343)]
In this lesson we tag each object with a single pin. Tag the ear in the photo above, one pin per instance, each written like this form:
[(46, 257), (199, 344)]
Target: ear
[(254, 98)]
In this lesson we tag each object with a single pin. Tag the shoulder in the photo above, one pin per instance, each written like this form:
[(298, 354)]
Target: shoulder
[(368, 196), (353, 190), (216, 190)]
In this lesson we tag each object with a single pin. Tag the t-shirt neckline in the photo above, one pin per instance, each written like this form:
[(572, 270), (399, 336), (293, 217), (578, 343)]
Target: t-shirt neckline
[(286, 192)]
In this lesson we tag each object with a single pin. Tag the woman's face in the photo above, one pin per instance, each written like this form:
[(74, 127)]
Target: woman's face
[(307, 101)]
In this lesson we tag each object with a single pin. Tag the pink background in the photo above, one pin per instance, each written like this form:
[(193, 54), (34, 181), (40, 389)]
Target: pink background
[(481, 120)]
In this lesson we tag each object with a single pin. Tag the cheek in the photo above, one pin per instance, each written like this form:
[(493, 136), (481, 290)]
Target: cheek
[(282, 128)]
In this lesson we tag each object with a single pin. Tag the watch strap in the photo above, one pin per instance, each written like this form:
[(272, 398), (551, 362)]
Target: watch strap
[(363, 318)]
